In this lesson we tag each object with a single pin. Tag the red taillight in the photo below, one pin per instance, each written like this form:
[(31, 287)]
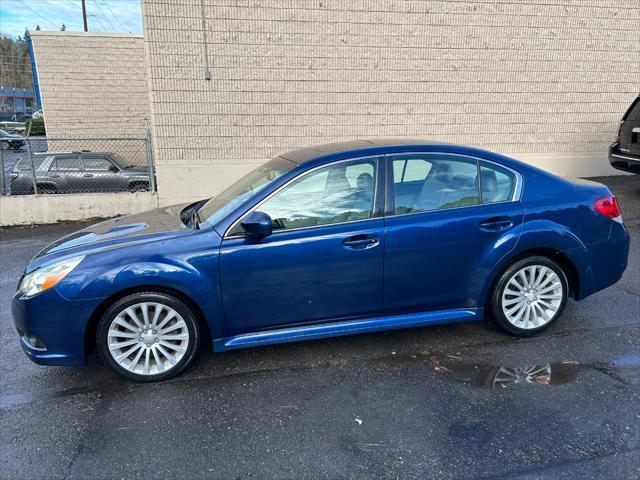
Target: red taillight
[(608, 206)]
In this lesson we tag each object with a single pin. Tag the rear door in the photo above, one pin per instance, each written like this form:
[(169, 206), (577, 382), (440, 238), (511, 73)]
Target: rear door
[(65, 172), (630, 130), (443, 238)]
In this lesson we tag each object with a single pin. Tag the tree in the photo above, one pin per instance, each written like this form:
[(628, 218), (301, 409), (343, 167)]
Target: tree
[(15, 66), (63, 28), (37, 27)]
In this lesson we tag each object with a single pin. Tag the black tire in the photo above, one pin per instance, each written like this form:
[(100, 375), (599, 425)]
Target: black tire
[(495, 306), (42, 189), (153, 297), (4, 145), (139, 187)]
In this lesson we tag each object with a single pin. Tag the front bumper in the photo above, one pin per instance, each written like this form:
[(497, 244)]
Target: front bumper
[(60, 324), (623, 161)]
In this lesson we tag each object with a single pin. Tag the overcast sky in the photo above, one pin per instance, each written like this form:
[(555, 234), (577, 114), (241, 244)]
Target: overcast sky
[(103, 15)]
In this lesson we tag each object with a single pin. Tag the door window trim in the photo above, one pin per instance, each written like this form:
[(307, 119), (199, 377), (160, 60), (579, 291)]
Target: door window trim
[(376, 214), (389, 210)]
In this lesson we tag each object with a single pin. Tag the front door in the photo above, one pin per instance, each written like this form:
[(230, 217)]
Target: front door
[(102, 175), (324, 259), (451, 218)]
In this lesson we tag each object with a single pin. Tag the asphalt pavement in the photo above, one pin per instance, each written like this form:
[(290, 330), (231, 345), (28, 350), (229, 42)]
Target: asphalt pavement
[(447, 402)]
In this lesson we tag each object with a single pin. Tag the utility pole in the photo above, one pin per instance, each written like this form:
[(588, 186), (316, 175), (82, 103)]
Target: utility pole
[(84, 16)]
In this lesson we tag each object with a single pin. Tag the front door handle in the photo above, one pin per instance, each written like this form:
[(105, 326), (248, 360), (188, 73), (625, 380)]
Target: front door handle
[(361, 242), (88, 175), (496, 224)]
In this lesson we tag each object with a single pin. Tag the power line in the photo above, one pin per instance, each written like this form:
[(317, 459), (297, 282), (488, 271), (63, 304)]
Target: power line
[(117, 19), (104, 29), (104, 15), (36, 13)]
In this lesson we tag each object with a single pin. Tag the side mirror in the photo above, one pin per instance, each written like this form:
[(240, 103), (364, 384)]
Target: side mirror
[(257, 225), (113, 169)]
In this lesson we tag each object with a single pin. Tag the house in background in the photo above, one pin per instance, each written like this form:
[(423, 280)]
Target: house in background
[(16, 104)]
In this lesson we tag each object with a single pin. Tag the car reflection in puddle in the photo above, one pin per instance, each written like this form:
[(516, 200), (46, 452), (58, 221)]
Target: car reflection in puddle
[(625, 370)]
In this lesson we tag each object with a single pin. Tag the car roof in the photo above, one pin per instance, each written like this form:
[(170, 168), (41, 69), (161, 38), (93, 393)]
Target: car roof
[(303, 155), (322, 154)]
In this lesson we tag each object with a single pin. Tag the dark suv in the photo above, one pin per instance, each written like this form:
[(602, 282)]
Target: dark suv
[(624, 153), (74, 172)]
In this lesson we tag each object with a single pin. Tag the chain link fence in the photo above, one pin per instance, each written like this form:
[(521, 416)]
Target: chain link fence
[(57, 165)]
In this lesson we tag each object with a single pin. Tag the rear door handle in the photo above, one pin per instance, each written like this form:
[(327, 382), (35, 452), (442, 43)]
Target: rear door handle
[(88, 175), (496, 224), (361, 242)]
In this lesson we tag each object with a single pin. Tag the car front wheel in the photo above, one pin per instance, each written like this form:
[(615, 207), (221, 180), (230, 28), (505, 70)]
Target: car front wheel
[(529, 296), (148, 336)]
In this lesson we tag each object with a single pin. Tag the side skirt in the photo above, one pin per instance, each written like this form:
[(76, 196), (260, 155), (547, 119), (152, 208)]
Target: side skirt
[(351, 327)]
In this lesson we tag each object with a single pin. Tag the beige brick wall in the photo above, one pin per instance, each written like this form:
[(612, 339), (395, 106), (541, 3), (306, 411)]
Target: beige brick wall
[(92, 84), (544, 80)]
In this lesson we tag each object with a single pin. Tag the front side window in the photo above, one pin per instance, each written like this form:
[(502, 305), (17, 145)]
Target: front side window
[(338, 193), (424, 183), (218, 207), (97, 164)]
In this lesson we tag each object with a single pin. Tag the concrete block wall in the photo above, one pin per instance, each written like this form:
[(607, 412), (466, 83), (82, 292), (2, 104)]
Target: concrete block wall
[(92, 85), (546, 80)]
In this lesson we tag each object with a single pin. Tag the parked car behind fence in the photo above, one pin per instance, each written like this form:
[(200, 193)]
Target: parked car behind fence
[(10, 141), (66, 165)]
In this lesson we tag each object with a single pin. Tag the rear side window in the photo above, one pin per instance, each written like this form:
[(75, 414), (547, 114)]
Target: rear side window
[(24, 164), (65, 164), (633, 113), (434, 182), (497, 183)]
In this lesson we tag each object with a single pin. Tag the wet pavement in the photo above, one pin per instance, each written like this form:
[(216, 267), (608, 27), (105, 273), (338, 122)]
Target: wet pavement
[(456, 401)]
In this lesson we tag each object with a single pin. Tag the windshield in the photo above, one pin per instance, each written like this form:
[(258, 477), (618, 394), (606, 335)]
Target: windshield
[(3, 134), (224, 203)]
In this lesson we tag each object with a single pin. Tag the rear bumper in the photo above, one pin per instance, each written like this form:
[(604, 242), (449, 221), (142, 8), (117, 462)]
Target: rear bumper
[(623, 161), (604, 263), (59, 324)]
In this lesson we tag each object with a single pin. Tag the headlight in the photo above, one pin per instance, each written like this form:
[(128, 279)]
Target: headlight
[(48, 276)]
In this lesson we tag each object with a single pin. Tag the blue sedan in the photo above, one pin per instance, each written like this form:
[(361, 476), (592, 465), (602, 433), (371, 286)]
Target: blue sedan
[(337, 239)]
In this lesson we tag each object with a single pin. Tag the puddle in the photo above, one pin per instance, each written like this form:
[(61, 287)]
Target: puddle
[(503, 376), (484, 375)]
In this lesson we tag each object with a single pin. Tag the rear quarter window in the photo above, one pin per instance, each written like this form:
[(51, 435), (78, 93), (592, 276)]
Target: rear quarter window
[(633, 113)]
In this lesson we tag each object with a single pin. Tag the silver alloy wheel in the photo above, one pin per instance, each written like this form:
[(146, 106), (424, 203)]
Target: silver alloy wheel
[(532, 297), (148, 338)]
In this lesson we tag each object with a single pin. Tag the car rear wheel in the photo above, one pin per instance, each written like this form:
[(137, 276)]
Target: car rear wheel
[(148, 336), (4, 145), (529, 296)]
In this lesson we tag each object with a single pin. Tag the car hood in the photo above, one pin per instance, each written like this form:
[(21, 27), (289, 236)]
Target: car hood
[(153, 225), (137, 169)]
